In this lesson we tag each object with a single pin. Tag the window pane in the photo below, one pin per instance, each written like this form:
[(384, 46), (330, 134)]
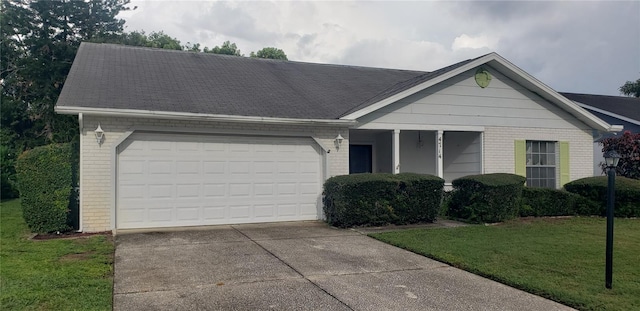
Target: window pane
[(536, 159), (551, 159), (543, 147), (536, 146), (529, 147), (551, 147), (529, 159)]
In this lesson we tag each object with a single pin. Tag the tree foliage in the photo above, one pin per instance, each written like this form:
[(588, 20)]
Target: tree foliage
[(631, 88), (139, 38), (227, 48), (628, 146), (38, 44), (269, 52)]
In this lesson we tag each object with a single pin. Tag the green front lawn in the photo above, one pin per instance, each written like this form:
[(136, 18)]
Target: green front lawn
[(54, 274), (561, 259)]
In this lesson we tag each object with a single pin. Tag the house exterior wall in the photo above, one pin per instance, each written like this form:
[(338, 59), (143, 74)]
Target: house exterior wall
[(504, 111), (417, 158), (462, 154), (97, 168), (459, 101), (499, 148)]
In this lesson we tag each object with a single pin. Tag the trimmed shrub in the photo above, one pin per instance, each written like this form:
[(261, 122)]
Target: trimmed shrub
[(552, 202), (627, 195), (377, 199), (486, 198), (45, 183)]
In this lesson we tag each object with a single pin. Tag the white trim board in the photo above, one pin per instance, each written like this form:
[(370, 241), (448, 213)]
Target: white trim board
[(167, 115)]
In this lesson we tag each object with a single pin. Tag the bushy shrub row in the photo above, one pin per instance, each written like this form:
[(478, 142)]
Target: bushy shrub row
[(45, 180), (627, 195), (486, 198), (553, 202), (376, 199)]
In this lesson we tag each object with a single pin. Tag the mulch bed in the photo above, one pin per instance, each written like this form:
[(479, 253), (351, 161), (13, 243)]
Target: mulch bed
[(68, 235)]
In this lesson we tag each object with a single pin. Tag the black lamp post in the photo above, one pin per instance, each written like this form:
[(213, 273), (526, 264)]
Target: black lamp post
[(611, 158)]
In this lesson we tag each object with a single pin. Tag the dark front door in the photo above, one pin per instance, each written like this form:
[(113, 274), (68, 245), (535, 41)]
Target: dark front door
[(360, 159)]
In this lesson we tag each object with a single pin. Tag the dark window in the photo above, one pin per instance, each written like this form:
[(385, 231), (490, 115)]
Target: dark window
[(541, 164), (360, 159)]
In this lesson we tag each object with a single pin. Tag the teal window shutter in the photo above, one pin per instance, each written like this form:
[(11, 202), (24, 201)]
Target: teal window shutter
[(521, 158)]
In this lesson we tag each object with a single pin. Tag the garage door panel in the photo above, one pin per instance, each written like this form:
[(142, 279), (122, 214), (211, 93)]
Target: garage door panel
[(186, 212), (160, 191), (217, 190), (214, 167), (183, 180), (264, 211)]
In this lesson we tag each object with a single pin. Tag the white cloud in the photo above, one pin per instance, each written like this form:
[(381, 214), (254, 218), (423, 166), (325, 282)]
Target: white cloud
[(465, 41), (590, 47)]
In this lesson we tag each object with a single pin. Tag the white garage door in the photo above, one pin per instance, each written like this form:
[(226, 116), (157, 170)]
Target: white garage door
[(190, 180)]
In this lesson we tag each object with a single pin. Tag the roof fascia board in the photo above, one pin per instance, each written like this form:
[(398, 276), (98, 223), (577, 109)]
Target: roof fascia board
[(389, 100), (185, 116), (605, 112)]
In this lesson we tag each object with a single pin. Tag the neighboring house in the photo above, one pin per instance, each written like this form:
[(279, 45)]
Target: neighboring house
[(201, 139), (620, 110)]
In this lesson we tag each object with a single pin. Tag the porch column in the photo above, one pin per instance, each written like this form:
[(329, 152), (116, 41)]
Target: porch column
[(439, 162), (395, 154)]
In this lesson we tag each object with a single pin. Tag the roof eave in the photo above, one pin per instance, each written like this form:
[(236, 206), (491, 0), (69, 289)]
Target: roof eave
[(186, 116)]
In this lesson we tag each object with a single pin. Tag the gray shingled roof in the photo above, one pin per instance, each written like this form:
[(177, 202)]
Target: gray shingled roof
[(625, 106), (110, 76)]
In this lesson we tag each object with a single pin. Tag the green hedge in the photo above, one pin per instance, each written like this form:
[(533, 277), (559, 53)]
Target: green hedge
[(377, 199), (552, 202), (45, 180), (486, 198), (627, 196)]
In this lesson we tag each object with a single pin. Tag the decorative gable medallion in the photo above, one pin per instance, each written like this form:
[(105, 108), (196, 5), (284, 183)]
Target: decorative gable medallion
[(483, 77)]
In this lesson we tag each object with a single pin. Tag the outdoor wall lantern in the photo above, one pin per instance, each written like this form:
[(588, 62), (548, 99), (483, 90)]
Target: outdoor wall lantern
[(338, 141), (611, 159), (99, 134)]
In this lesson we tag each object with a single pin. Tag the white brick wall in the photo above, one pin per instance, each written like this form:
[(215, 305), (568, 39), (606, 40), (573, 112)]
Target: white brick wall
[(97, 168), (499, 149)]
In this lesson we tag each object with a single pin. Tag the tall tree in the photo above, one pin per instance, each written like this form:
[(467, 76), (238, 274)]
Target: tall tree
[(39, 40), (227, 48), (269, 52), (631, 88)]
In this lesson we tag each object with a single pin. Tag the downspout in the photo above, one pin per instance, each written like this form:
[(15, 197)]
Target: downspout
[(80, 209)]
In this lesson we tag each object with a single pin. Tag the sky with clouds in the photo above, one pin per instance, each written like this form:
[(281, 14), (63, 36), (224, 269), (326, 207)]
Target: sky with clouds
[(572, 46)]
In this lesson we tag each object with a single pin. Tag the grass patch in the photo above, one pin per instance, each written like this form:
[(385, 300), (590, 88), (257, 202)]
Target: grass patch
[(561, 259), (75, 274)]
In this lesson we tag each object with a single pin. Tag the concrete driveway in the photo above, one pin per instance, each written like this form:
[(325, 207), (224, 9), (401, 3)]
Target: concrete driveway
[(295, 266)]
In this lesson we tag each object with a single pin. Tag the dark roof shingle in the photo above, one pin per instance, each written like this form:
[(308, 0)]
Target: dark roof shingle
[(625, 106), (124, 77)]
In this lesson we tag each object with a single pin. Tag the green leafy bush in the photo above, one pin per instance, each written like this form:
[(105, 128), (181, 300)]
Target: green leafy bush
[(45, 181), (376, 199), (627, 195), (486, 198), (552, 202)]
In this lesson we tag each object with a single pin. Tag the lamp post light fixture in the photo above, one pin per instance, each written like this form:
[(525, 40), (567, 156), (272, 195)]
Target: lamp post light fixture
[(99, 134), (611, 159), (338, 141)]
